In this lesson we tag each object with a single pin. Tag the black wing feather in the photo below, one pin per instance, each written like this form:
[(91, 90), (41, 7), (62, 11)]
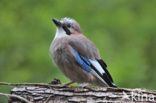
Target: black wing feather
[(106, 75)]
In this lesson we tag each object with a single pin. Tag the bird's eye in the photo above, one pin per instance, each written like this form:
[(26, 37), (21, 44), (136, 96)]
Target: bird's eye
[(68, 25)]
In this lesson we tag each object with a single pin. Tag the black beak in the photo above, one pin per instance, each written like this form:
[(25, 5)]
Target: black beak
[(57, 22)]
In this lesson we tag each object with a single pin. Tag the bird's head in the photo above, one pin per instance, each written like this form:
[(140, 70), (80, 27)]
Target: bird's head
[(66, 26)]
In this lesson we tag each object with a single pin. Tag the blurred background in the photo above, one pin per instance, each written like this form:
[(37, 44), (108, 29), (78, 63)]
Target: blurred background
[(123, 30)]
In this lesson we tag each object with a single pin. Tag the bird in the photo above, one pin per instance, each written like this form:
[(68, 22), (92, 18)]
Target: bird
[(77, 57)]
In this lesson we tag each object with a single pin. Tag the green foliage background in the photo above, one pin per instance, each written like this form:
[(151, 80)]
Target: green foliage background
[(123, 30)]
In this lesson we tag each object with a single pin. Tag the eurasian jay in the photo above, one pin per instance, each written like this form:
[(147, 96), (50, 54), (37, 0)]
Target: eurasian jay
[(76, 56)]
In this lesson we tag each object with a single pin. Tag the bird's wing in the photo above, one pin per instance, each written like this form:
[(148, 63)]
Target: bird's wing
[(84, 46), (104, 66), (92, 65)]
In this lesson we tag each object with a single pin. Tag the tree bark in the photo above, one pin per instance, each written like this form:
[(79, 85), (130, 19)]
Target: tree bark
[(50, 93)]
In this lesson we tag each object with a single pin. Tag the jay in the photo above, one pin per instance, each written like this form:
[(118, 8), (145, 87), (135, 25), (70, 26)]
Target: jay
[(77, 57)]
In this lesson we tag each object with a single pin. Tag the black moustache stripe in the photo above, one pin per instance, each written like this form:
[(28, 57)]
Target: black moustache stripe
[(66, 30)]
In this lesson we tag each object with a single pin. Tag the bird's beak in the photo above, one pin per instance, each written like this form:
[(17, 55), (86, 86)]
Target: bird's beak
[(57, 22)]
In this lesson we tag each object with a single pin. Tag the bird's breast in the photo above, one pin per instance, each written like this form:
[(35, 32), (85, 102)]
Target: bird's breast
[(60, 51)]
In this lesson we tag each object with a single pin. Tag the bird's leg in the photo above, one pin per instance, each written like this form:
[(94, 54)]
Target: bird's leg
[(67, 84)]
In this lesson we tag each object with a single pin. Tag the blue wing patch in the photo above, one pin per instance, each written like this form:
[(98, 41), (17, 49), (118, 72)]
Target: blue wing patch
[(84, 62), (88, 65)]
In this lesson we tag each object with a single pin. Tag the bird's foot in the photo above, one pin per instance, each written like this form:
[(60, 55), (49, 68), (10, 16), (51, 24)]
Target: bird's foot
[(83, 85)]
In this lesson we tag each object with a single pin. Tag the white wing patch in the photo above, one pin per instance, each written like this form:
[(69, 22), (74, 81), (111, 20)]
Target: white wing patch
[(97, 66)]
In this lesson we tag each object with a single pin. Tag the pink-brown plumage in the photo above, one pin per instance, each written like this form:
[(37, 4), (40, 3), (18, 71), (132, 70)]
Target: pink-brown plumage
[(61, 52), (68, 38)]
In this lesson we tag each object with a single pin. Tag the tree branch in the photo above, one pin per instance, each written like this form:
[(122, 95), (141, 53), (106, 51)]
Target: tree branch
[(15, 96), (50, 93)]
